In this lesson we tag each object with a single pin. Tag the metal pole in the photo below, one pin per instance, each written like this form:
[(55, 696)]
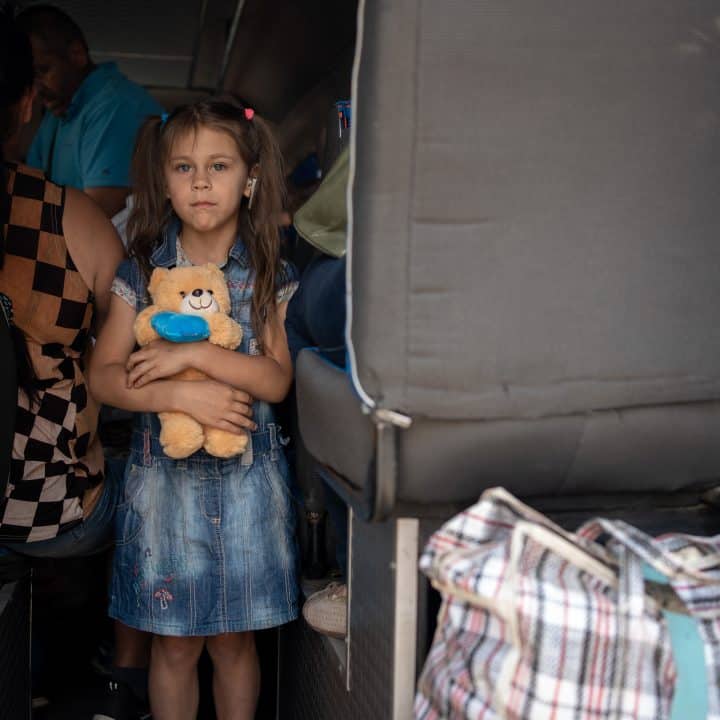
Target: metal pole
[(196, 44), (405, 620), (230, 41)]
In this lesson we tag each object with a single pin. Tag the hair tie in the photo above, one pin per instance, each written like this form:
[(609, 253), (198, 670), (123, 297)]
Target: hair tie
[(163, 119), (249, 113)]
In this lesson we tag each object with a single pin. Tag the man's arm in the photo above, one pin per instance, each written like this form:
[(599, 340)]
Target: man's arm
[(110, 199)]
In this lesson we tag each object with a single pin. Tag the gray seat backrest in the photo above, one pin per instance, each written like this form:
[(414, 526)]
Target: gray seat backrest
[(534, 258), (535, 220)]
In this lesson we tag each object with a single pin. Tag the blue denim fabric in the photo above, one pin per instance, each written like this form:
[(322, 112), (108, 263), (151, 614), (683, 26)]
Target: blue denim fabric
[(205, 546), (316, 313)]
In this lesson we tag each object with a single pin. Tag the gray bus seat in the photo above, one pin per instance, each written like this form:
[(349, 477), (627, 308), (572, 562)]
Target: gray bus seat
[(533, 260), (327, 426), (636, 450)]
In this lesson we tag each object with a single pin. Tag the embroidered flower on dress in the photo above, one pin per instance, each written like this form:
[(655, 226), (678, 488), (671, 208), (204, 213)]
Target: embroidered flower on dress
[(164, 596)]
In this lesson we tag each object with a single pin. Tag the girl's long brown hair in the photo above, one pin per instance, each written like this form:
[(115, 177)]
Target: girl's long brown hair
[(258, 227)]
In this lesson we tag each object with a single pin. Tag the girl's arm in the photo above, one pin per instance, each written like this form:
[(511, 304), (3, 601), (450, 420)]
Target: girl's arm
[(210, 403), (266, 377)]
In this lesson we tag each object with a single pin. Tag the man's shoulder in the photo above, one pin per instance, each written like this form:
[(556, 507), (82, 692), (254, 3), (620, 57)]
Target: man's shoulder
[(124, 96), (132, 95), (131, 91)]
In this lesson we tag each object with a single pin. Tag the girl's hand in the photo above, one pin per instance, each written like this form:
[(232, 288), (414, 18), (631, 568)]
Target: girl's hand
[(159, 359), (217, 405)]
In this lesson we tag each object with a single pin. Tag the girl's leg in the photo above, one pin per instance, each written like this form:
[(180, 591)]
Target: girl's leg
[(132, 647), (174, 691), (236, 675)]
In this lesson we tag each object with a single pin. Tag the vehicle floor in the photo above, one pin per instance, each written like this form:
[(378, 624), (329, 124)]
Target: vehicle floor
[(70, 629)]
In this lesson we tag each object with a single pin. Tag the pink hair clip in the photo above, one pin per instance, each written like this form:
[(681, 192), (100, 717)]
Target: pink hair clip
[(249, 113)]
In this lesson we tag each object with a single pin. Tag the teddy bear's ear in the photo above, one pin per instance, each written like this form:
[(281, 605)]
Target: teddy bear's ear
[(217, 278), (156, 279), (215, 271)]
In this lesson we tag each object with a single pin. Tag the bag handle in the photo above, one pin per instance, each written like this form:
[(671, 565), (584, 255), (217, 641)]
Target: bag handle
[(501, 497), (675, 565)]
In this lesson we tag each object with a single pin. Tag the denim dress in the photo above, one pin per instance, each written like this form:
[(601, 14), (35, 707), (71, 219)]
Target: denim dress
[(205, 545)]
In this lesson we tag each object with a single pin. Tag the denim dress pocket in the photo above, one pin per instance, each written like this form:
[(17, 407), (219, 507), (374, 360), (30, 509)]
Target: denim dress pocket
[(132, 507), (279, 492)]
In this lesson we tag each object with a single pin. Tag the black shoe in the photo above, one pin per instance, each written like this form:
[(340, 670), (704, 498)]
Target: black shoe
[(120, 703)]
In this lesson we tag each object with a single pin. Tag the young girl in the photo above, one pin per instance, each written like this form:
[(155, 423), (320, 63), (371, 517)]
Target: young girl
[(205, 548)]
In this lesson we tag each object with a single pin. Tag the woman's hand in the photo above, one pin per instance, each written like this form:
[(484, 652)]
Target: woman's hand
[(217, 405), (158, 359)]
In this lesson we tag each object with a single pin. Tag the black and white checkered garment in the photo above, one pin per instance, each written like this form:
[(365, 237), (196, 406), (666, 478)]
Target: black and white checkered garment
[(55, 454)]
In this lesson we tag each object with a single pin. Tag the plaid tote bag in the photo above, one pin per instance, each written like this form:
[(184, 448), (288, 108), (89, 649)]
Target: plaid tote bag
[(541, 624)]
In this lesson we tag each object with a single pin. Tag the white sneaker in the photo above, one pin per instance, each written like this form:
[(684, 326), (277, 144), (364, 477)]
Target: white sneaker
[(326, 610)]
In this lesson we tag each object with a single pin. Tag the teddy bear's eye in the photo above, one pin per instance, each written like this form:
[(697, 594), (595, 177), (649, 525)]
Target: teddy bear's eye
[(182, 294)]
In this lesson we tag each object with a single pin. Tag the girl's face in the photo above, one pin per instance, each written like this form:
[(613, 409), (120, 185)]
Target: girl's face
[(206, 179)]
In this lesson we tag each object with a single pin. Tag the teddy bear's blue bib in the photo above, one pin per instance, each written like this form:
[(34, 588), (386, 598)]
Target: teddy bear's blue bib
[(179, 328)]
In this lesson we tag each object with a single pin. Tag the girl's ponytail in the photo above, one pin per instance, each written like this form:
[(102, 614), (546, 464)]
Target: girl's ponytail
[(151, 210), (262, 224)]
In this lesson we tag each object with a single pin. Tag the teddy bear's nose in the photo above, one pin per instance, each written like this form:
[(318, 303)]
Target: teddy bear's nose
[(197, 292)]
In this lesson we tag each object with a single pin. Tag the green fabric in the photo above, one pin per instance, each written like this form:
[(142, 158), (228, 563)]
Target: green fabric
[(322, 220), (691, 687)]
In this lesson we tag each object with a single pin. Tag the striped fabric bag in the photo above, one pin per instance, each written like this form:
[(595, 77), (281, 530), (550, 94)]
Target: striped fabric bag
[(541, 624)]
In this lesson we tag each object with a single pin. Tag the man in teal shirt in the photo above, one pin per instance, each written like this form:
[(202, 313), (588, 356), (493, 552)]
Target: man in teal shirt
[(93, 112)]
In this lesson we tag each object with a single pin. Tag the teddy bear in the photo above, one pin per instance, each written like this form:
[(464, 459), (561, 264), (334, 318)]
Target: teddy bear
[(191, 303)]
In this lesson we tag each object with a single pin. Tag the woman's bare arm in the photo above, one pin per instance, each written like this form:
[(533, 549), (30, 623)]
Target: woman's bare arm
[(94, 246)]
